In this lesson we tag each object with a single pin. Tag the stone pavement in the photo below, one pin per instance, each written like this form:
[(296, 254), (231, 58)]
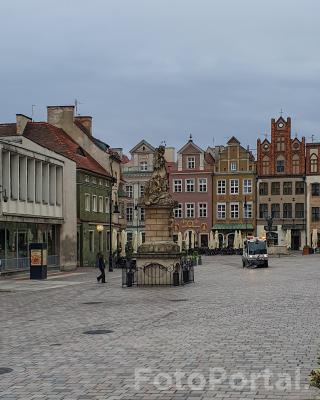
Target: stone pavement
[(232, 320)]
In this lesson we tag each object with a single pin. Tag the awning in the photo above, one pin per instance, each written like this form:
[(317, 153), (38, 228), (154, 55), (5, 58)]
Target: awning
[(232, 227)]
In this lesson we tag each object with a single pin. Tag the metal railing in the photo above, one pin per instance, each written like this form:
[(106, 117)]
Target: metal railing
[(156, 274), (23, 263)]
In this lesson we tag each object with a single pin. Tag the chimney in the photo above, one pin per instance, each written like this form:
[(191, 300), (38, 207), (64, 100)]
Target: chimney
[(61, 116), (21, 122), (86, 121)]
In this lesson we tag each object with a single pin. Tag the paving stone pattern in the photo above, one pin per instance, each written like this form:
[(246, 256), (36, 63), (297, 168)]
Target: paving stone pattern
[(237, 319)]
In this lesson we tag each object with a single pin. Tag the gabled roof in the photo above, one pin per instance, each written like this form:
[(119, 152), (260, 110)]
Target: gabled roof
[(233, 140), (56, 139), (190, 143), (142, 143)]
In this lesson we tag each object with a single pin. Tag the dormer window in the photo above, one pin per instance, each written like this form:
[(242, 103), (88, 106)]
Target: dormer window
[(80, 152), (191, 162), (233, 166)]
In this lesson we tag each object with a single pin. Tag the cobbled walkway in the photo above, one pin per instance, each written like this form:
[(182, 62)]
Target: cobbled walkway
[(232, 323)]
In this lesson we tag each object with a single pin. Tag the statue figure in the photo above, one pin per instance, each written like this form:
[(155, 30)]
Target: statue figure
[(157, 189)]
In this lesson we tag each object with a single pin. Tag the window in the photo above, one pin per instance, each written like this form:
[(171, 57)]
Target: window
[(234, 186), (300, 187), (141, 190), (221, 211), (86, 178), (177, 185), (177, 212), (143, 166), (275, 188), (287, 210), (233, 166), (234, 210), (129, 214), (100, 209), (315, 189), (191, 162), (280, 144), (263, 210), (129, 191), (299, 210), (275, 210), (263, 188), (295, 164), (94, 203), (189, 210), (100, 182), (91, 241), (313, 163), (247, 211), (315, 214), (202, 184), (247, 186), (203, 210), (287, 187), (221, 187), (107, 204), (87, 202), (142, 214), (189, 185), (265, 165), (94, 180), (280, 165)]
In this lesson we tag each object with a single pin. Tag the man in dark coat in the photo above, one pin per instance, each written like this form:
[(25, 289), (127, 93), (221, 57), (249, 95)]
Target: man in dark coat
[(102, 266)]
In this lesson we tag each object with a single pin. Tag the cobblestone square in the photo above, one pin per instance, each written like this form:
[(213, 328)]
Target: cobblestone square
[(231, 320)]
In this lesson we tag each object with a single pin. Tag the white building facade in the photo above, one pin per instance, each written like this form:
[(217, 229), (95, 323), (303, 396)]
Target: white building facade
[(35, 205)]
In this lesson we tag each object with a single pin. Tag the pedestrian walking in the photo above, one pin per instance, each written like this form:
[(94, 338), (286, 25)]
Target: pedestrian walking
[(102, 266)]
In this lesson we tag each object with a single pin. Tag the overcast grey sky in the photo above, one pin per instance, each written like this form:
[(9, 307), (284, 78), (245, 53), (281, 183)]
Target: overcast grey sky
[(160, 69)]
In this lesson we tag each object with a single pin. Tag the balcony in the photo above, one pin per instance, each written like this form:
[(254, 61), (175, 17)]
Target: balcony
[(137, 170)]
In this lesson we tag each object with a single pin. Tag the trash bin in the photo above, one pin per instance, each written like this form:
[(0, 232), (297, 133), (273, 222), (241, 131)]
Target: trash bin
[(38, 260)]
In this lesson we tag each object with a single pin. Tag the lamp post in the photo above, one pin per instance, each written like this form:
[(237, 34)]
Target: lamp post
[(269, 221), (115, 211), (246, 214)]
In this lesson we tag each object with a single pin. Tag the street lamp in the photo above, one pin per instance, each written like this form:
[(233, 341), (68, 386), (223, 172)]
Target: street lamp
[(246, 214), (115, 211)]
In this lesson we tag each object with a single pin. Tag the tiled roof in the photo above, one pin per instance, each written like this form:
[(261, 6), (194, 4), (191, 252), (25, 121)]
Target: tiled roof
[(8, 130), (57, 140)]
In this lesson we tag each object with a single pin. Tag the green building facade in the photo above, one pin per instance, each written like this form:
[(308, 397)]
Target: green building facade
[(93, 200)]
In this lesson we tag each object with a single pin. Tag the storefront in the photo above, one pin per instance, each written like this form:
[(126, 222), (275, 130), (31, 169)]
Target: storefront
[(15, 239)]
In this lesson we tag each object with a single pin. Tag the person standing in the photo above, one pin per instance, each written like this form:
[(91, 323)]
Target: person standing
[(102, 266)]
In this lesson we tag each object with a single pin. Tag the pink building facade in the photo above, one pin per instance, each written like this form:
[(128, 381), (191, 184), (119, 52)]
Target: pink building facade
[(191, 186)]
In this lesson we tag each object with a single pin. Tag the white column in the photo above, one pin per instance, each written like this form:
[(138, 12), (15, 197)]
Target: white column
[(45, 183), (31, 176), (38, 180), (23, 178), (6, 172), (14, 175), (52, 184), (59, 186)]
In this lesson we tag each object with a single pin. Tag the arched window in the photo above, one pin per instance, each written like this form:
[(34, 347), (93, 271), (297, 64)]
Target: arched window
[(295, 164), (265, 165), (313, 163), (280, 164)]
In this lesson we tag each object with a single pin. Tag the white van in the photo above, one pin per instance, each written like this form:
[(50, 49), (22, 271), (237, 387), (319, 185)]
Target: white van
[(255, 252)]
